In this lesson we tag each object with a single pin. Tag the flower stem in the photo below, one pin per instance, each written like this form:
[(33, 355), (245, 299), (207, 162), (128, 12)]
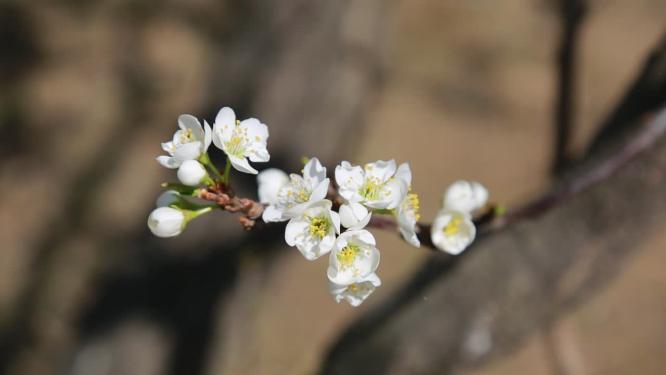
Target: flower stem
[(193, 214), (205, 160), (227, 169)]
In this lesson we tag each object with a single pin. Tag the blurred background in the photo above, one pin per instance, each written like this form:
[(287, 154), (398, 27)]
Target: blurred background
[(459, 89)]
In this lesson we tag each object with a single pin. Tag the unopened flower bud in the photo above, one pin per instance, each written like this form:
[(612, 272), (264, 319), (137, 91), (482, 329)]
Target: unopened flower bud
[(166, 222), (191, 172)]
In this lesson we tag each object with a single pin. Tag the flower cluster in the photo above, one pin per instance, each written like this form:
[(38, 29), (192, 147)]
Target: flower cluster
[(322, 217), (315, 224)]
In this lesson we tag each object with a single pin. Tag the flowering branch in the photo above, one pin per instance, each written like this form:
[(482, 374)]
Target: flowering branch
[(322, 218)]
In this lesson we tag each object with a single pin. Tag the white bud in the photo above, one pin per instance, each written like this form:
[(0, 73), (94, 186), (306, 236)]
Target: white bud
[(166, 222), (270, 181), (465, 196), (354, 215), (191, 172)]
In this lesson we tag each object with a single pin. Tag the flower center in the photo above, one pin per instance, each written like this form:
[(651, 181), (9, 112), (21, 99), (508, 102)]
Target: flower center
[(453, 227), (237, 144), (319, 227), (347, 255), (371, 189), (186, 136)]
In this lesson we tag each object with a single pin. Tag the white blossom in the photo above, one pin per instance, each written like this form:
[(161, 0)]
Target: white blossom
[(452, 231), (269, 182), (375, 185), (191, 172), (354, 257), (313, 231), (188, 143), (407, 214), (294, 196), (354, 215), (166, 222), (357, 292), (240, 140), (465, 196)]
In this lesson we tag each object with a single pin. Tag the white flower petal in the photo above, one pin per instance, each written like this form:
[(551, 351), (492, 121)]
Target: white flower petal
[(255, 130), (354, 215), (366, 237), (269, 182), (168, 147), (355, 293), (241, 165), (404, 173), (335, 218), (294, 229), (410, 236), (188, 151), (314, 173), (190, 122), (223, 127), (349, 179), (208, 136), (168, 162), (466, 196), (381, 170), (320, 191), (272, 214)]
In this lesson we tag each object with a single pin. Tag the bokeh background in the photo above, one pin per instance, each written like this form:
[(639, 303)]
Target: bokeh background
[(459, 89)]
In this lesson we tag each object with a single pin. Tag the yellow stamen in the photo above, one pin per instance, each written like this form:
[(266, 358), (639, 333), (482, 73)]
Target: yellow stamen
[(413, 201), (453, 227), (319, 227), (371, 189), (347, 255)]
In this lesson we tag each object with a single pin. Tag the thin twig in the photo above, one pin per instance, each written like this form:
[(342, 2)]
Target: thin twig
[(488, 221)]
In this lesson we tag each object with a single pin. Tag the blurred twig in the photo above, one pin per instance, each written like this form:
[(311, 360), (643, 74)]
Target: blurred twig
[(572, 14), (646, 94)]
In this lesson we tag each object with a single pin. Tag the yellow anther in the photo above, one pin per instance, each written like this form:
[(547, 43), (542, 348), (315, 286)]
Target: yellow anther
[(303, 195), (453, 227), (319, 227), (347, 255), (371, 189)]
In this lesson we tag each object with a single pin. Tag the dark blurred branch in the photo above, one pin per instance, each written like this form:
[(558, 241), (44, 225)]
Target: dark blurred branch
[(646, 94), (520, 279), (572, 13)]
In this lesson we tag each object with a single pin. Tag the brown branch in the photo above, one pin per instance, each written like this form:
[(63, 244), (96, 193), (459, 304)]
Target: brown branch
[(222, 195), (488, 221)]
